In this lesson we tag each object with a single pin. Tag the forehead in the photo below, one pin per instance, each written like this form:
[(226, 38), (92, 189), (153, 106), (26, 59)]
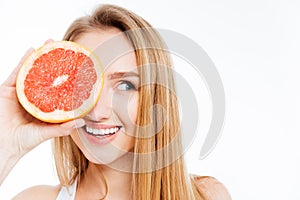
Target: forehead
[(96, 37), (112, 47)]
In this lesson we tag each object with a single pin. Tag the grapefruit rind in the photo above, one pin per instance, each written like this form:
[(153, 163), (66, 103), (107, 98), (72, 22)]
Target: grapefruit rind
[(58, 116)]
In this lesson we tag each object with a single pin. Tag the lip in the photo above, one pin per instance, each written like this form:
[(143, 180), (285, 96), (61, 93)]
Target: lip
[(96, 125), (103, 140)]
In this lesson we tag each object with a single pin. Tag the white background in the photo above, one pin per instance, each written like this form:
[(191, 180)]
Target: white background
[(255, 47)]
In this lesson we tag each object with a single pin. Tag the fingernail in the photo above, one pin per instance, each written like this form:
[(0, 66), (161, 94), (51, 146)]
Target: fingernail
[(49, 41), (78, 123)]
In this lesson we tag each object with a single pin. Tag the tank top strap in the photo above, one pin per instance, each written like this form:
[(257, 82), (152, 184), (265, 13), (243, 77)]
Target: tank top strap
[(67, 194)]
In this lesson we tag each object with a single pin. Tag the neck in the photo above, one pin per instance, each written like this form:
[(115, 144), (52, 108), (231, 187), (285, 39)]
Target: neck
[(92, 184)]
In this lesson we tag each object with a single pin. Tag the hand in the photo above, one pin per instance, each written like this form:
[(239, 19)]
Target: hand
[(20, 132)]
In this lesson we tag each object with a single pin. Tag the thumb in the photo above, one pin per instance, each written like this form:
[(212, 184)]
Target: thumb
[(77, 123), (46, 132), (31, 136)]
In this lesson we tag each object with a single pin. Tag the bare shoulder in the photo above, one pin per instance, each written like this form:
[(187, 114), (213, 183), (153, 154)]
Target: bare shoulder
[(44, 192), (211, 188)]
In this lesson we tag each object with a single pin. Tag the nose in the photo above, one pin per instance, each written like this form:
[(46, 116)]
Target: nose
[(103, 108)]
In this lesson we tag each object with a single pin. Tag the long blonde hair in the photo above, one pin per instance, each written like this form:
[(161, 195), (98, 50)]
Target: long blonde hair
[(170, 181)]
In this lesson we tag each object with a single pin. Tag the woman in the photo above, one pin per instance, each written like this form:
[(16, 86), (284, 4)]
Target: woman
[(138, 162)]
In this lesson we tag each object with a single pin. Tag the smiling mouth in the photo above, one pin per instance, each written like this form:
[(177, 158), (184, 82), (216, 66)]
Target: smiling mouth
[(101, 132)]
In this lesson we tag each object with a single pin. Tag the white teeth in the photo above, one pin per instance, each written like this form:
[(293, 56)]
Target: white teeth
[(101, 132)]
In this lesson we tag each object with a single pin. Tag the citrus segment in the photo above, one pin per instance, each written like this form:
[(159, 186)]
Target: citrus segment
[(59, 82)]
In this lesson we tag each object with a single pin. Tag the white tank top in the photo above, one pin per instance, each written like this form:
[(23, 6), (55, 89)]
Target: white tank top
[(65, 194)]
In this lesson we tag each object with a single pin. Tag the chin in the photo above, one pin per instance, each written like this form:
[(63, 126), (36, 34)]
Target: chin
[(105, 158), (113, 154)]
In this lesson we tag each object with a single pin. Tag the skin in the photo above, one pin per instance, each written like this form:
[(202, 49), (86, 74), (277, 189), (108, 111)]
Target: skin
[(22, 131), (118, 92), (123, 91), (117, 105), (18, 139)]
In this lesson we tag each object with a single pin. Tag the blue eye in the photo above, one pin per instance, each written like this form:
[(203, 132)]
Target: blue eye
[(125, 86)]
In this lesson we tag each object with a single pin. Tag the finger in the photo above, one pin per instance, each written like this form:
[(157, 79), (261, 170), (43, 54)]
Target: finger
[(49, 41), (58, 130), (11, 80), (30, 136)]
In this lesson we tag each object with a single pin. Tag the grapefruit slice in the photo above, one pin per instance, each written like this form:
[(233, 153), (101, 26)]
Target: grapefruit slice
[(59, 82)]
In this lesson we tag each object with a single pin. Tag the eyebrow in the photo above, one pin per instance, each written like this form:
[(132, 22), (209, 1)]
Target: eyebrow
[(117, 75)]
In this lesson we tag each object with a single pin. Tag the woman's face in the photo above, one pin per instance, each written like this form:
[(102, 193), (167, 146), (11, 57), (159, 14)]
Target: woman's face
[(109, 129)]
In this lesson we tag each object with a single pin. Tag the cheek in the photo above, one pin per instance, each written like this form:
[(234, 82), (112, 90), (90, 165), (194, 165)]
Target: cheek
[(132, 108), (75, 138), (79, 144), (77, 141), (125, 107)]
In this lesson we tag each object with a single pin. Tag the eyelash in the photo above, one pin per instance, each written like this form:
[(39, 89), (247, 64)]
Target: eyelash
[(132, 87)]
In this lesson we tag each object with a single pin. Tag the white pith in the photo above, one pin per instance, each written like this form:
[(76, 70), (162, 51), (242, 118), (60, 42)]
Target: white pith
[(59, 80), (58, 115)]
